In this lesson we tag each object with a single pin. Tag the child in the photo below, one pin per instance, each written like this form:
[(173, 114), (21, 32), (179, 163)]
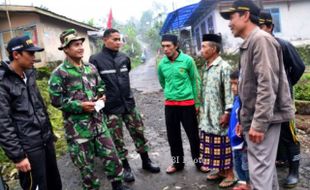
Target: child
[(237, 142)]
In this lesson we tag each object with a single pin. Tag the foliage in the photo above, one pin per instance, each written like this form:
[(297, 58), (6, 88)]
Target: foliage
[(302, 88), (304, 52)]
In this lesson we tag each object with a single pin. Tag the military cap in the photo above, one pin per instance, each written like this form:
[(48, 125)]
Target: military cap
[(68, 36)]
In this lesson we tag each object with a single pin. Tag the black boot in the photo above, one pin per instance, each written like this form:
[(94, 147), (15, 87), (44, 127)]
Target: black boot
[(147, 164), (128, 175), (117, 185), (293, 177)]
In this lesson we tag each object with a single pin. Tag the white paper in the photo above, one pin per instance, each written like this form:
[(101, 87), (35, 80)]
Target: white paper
[(99, 104)]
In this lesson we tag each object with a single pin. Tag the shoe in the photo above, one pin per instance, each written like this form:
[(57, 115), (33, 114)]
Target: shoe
[(294, 157), (173, 169), (116, 185), (128, 175), (293, 177), (147, 164)]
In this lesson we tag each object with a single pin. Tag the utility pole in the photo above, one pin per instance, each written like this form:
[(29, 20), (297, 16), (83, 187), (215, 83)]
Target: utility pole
[(9, 20)]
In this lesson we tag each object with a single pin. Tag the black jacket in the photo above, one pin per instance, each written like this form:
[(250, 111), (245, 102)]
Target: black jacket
[(114, 68), (293, 64), (24, 123)]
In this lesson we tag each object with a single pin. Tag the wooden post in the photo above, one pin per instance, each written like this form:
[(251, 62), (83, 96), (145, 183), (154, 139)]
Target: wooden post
[(9, 20)]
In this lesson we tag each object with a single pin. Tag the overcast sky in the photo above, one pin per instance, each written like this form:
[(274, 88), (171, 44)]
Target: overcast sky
[(84, 10)]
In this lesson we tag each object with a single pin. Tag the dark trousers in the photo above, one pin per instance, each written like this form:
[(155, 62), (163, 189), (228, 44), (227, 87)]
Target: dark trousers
[(175, 115), (44, 174), (287, 149)]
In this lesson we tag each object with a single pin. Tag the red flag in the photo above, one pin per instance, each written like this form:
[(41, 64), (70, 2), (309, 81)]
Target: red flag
[(110, 18)]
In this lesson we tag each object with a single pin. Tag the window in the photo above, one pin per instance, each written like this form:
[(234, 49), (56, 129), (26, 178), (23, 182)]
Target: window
[(210, 25), (203, 28), (198, 41), (275, 13)]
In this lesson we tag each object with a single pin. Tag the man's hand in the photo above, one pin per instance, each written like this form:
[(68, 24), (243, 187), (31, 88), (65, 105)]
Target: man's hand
[(88, 106), (224, 120), (104, 98), (256, 136), (23, 165), (239, 130), (197, 110)]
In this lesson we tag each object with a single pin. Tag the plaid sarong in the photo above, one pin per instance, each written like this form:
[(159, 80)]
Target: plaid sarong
[(215, 151)]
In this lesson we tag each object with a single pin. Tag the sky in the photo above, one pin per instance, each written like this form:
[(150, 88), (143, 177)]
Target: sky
[(80, 10)]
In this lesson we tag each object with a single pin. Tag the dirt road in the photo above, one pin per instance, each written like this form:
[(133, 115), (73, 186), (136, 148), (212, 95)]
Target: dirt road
[(149, 100)]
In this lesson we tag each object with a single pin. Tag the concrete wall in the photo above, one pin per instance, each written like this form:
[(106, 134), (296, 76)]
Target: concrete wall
[(293, 20), (50, 30)]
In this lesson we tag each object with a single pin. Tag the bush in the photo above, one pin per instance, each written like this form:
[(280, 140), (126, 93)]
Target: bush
[(302, 88), (304, 53)]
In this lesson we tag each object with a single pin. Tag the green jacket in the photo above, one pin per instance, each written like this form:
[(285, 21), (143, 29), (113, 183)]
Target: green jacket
[(180, 79)]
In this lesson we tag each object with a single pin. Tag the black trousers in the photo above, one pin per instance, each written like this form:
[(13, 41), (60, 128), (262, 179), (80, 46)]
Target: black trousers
[(44, 174), (175, 115), (287, 149)]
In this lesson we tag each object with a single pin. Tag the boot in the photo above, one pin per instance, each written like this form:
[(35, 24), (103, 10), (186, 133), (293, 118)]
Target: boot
[(293, 177), (128, 175), (117, 185), (147, 164)]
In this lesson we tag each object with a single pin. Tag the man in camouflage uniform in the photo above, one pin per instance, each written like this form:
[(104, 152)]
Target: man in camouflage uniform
[(74, 88), (114, 67)]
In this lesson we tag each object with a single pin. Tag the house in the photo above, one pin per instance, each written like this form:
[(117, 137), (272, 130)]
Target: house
[(44, 27), (290, 17)]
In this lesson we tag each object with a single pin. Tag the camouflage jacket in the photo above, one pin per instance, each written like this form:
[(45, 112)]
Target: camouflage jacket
[(69, 86)]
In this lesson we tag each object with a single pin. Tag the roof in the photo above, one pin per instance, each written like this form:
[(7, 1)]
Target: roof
[(178, 18), (32, 9)]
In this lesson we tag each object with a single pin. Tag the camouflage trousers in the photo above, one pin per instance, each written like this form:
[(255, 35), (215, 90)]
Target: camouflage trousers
[(82, 155), (134, 124)]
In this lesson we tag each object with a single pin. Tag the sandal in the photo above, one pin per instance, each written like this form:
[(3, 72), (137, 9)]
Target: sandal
[(227, 183), (203, 169), (241, 187), (172, 169), (214, 177)]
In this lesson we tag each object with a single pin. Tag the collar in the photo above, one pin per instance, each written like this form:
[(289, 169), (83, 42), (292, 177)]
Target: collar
[(216, 62), (178, 59), (246, 42), (69, 65), (109, 51)]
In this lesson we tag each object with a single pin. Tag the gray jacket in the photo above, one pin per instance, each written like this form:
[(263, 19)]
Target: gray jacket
[(263, 86)]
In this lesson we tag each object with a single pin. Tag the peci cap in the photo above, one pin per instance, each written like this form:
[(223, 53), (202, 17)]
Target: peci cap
[(170, 37), (22, 43), (212, 38), (241, 5), (68, 36)]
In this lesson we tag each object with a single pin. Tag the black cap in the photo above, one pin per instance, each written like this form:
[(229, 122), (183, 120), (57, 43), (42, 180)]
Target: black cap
[(241, 5), (170, 37), (22, 43), (265, 17), (212, 38)]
